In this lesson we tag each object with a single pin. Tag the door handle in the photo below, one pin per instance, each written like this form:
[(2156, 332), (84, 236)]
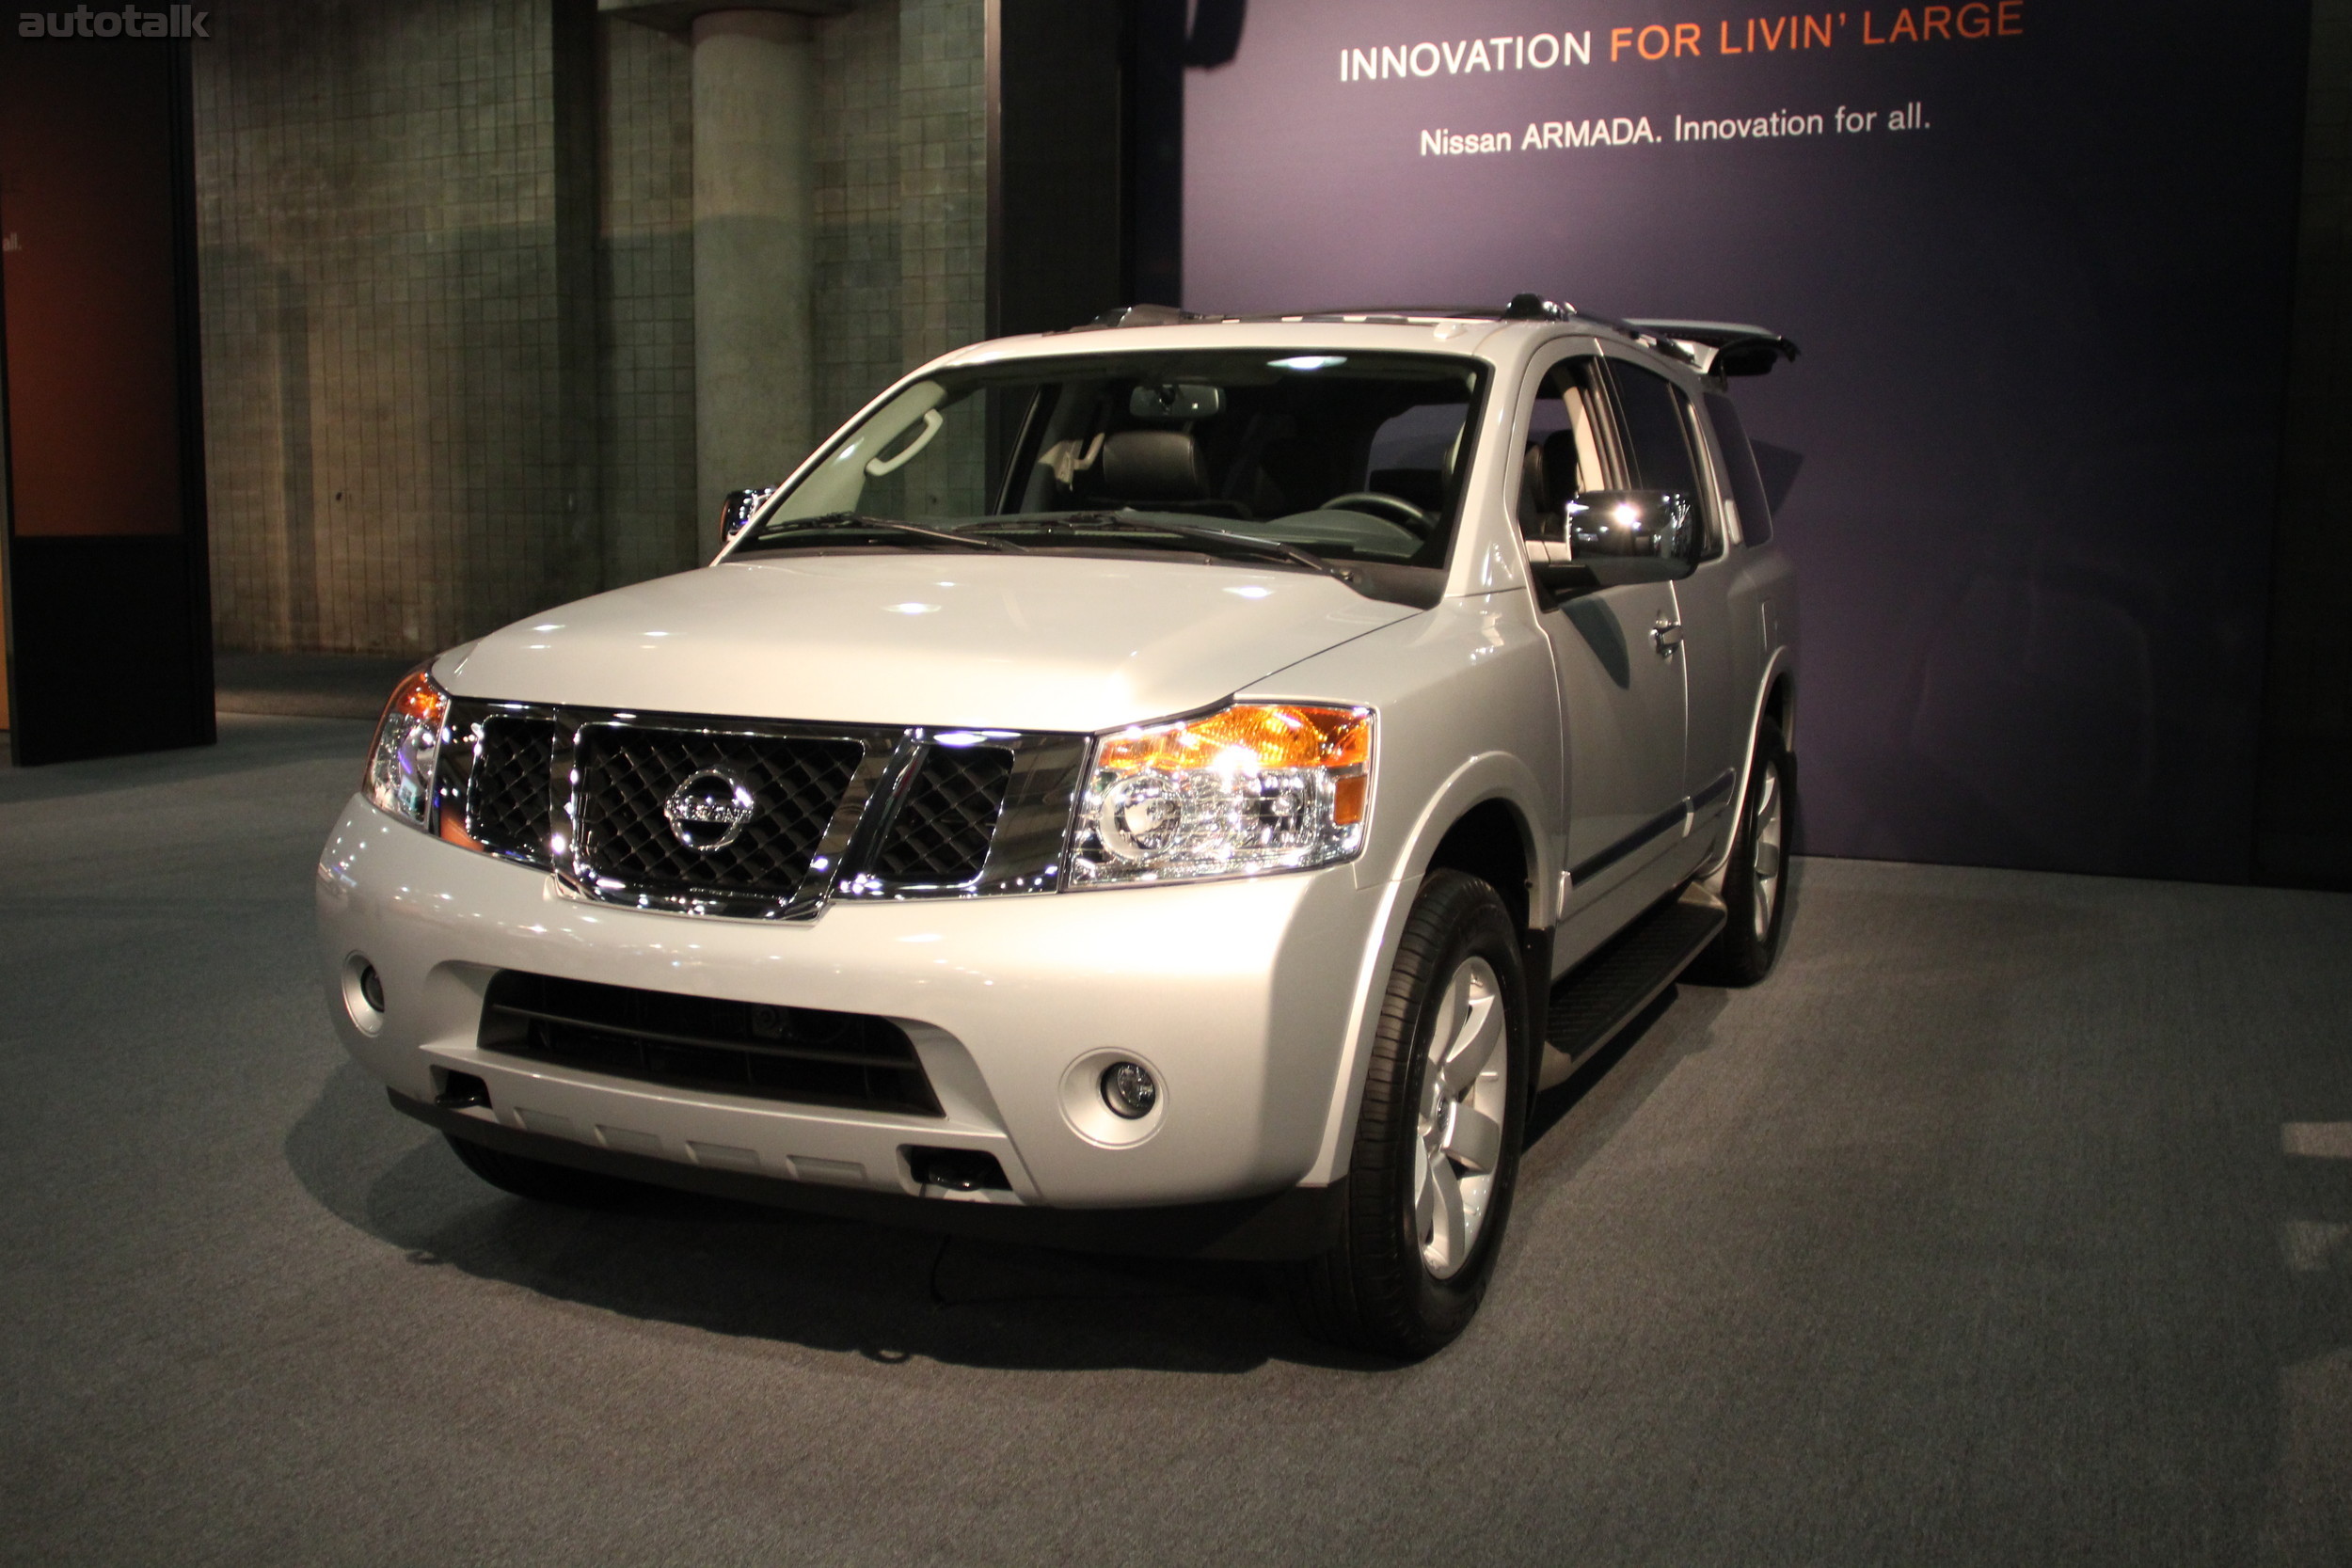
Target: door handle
[(1666, 635)]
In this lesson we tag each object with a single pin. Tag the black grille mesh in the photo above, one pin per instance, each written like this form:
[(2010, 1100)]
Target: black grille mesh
[(796, 1054), (628, 775), (506, 800), (943, 829)]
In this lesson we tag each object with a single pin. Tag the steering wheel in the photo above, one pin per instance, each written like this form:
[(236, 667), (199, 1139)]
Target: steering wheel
[(1396, 508)]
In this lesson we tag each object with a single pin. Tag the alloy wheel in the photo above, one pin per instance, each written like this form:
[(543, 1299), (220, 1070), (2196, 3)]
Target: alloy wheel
[(1765, 835), (1461, 1117)]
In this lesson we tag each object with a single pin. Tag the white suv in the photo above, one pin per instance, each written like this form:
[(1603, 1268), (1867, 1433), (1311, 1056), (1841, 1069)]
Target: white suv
[(1177, 784)]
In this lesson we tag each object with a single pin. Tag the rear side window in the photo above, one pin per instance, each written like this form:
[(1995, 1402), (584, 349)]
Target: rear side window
[(1654, 431), (1747, 484)]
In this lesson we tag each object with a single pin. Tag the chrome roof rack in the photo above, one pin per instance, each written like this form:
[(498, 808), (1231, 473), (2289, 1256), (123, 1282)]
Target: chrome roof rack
[(1143, 315), (1717, 348), (1526, 307)]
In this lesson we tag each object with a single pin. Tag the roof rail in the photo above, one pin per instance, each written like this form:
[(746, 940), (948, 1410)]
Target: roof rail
[(1140, 315), (1522, 306), (1382, 313)]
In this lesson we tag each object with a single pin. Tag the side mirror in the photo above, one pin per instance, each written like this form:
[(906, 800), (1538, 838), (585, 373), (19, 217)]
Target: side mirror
[(1615, 537), (739, 508), (1632, 525)]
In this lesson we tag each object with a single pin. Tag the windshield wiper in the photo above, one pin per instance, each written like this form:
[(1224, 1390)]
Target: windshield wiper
[(1112, 520), (885, 525)]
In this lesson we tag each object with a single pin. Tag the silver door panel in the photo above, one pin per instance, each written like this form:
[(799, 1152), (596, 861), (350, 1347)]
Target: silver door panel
[(1623, 701)]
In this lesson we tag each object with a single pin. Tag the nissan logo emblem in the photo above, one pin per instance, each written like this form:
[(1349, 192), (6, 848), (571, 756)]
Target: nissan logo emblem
[(708, 810)]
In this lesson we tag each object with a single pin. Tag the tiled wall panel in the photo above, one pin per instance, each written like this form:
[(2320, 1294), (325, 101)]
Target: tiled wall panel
[(376, 194), (857, 210), (645, 289), (943, 213), (397, 309)]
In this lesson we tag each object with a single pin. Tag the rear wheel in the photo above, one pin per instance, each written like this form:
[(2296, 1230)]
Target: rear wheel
[(1438, 1140), (1756, 881), (541, 1180)]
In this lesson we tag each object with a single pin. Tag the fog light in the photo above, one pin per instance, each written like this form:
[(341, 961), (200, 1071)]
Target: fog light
[(361, 990), (1129, 1089)]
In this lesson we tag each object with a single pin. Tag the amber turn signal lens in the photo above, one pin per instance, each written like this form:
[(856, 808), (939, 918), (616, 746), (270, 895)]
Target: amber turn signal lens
[(407, 751), (420, 698), (1347, 801), (1248, 789), (1249, 734)]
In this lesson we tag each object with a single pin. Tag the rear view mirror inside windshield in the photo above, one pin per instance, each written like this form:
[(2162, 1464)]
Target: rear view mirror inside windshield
[(1188, 400)]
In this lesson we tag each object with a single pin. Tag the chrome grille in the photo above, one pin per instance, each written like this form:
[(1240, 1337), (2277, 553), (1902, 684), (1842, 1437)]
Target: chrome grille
[(837, 811), (943, 831), (507, 794), (628, 775)]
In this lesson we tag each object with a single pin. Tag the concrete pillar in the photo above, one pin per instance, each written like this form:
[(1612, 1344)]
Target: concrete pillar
[(754, 74)]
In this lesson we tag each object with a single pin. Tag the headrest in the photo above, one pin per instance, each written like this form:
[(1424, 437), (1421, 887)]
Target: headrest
[(1561, 480), (1535, 495), (1153, 466)]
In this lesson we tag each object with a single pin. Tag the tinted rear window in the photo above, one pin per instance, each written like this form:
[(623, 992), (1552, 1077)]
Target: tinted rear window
[(1653, 427), (1747, 484)]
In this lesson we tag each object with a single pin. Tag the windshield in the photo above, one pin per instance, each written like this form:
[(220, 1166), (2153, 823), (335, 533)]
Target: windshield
[(1340, 457)]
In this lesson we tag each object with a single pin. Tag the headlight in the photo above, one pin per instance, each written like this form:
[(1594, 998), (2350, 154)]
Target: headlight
[(1248, 789), (407, 748)]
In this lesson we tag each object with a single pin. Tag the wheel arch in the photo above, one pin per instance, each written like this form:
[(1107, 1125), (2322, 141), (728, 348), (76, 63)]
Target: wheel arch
[(1481, 821), (1492, 842), (1775, 700), (1780, 701)]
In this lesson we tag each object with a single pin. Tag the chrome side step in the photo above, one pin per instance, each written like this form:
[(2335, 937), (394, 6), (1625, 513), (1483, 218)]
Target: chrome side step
[(1608, 990)]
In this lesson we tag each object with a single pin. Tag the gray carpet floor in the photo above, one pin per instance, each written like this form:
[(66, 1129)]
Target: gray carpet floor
[(2006, 1224)]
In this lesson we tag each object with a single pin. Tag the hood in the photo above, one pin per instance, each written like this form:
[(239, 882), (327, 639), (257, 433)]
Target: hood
[(965, 641)]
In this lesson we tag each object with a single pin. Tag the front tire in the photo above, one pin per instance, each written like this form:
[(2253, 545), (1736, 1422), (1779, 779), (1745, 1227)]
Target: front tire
[(1438, 1140), (1755, 880)]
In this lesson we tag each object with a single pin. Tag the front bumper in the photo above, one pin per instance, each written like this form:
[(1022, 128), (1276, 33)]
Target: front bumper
[(1245, 998), (1296, 1222)]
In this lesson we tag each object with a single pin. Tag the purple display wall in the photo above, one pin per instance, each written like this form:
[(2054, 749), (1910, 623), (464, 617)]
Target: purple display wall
[(2038, 258)]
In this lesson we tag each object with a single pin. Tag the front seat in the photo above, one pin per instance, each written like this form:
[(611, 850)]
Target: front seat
[(1561, 480), (1145, 469), (1541, 509)]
